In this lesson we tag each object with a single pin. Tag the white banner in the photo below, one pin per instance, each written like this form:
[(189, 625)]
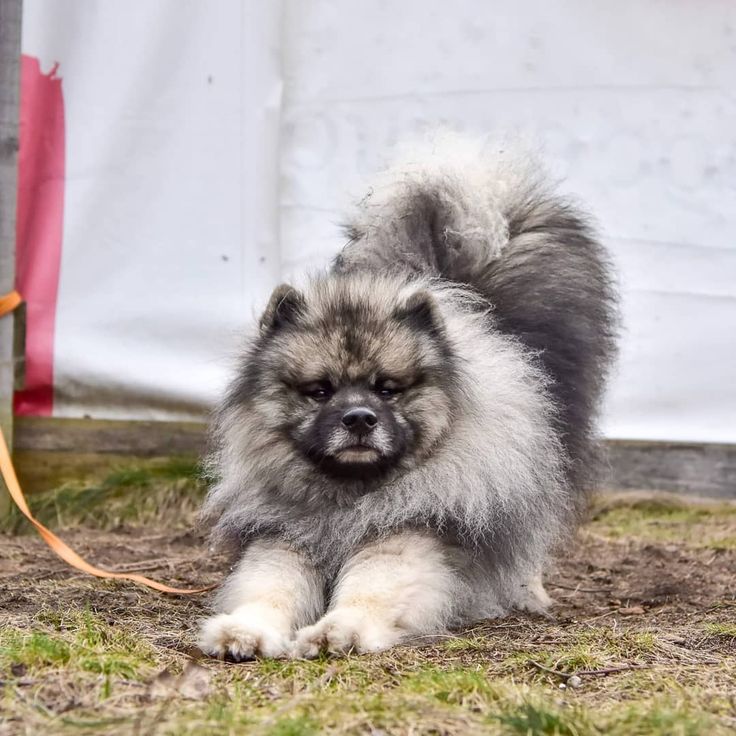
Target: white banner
[(193, 185)]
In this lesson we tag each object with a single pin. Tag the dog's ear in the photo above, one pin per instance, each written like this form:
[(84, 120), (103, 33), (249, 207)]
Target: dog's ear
[(420, 312), (285, 307)]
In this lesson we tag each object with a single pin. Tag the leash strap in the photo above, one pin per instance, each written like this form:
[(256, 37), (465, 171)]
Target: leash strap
[(8, 303)]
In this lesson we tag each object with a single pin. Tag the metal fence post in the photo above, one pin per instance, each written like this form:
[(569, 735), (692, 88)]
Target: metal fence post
[(11, 12)]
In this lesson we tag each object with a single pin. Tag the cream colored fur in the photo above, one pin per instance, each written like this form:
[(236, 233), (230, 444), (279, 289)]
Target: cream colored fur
[(271, 593), (402, 587)]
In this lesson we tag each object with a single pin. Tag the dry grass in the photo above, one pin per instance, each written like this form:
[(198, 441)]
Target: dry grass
[(77, 671), (158, 492), (669, 518), (643, 639)]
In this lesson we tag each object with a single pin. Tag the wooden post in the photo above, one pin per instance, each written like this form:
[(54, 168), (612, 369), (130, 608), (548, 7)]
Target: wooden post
[(11, 12)]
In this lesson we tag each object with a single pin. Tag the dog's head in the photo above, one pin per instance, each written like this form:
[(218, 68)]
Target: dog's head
[(354, 374)]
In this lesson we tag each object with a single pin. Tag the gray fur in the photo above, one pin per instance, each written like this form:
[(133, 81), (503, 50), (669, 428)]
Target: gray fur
[(498, 288)]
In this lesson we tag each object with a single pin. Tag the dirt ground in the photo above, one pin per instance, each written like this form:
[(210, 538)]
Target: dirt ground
[(642, 640)]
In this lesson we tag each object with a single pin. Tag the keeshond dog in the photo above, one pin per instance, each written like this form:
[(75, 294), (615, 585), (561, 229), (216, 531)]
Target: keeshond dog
[(411, 434)]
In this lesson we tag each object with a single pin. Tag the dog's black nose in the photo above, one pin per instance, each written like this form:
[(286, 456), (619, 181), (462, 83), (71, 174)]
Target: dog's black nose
[(360, 419)]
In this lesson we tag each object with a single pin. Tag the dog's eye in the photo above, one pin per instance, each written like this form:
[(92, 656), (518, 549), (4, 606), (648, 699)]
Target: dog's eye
[(386, 387), (319, 390)]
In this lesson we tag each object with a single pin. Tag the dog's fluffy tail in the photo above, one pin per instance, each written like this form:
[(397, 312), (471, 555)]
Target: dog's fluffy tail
[(461, 210)]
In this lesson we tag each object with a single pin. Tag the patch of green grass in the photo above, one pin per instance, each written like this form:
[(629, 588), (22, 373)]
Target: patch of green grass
[(724, 629), (565, 660), (665, 518), (590, 649), (617, 644), (76, 640), (349, 674), (720, 542), (642, 719), (454, 686), (32, 650), (472, 644), (169, 490), (534, 720), (294, 726), (580, 656)]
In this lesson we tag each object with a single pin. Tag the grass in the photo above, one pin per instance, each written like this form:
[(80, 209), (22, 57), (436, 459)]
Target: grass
[(80, 656), (726, 630), (170, 491), (667, 518), (109, 671), (138, 494), (75, 640)]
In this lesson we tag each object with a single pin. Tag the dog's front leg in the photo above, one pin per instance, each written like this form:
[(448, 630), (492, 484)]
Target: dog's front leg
[(272, 592), (390, 590)]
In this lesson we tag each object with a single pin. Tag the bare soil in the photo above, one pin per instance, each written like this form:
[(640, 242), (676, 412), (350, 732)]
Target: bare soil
[(596, 575)]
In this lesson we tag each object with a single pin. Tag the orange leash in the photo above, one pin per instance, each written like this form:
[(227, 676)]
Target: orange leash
[(7, 304)]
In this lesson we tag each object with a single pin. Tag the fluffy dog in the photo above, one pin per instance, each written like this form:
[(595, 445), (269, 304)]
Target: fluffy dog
[(411, 434)]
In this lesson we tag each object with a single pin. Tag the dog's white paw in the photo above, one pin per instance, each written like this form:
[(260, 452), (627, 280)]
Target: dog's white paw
[(244, 634), (533, 597), (346, 630)]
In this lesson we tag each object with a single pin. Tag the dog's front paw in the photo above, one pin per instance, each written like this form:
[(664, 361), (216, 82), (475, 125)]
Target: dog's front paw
[(346, 630), (244, 634)]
